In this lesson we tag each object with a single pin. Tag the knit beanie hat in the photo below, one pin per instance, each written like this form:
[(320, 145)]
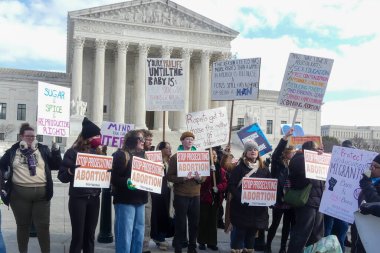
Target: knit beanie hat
[(187, 134), (377, 159), (89, 129), (250, 145)]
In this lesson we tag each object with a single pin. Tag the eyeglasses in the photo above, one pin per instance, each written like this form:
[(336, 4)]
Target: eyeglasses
[(29, 136), (141, 139), (374, 166)]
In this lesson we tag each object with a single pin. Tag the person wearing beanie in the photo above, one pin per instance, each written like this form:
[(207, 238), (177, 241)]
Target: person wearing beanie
[(29, 186), (84, 203), (280, 170), (186, 199), (246, 220), (129, 202), (308, 228)]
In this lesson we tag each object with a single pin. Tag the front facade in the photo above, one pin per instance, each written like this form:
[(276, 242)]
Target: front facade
[(370, 134), (107, 48)]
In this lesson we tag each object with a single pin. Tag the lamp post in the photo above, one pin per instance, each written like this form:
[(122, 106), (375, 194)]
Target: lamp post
[(105, 230)]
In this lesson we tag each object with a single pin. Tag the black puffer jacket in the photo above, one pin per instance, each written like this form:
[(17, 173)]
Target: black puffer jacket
[(298, 180), (242, 215), (121, 171), (69, 160), (279, 170), (52, 161)]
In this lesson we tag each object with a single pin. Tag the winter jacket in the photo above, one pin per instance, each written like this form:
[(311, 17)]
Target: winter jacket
[(69, 160), (121, 171), (298, 180), (207, 194), (242, 215), (52, 161)]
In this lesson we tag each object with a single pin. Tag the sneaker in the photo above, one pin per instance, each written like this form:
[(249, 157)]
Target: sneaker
[(202, 246), (212, 247)]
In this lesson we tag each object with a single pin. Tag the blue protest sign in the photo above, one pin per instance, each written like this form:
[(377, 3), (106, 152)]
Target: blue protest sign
[(254, 133), (298, 130)]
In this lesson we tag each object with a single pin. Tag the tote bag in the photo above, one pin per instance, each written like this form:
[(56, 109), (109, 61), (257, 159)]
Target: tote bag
[(298, 198)]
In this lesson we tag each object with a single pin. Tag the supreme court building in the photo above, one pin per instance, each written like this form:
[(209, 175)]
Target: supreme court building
[(107, 48)]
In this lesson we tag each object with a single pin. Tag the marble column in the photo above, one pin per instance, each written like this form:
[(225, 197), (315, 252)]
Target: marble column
[(139, 99), (77, 69), (159, 116), (204, 83), (118, 98), (98, 91), (179, 117), (197, 85)]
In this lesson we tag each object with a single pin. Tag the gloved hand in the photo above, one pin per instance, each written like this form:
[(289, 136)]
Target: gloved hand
[(212, 168), (73, 168), (54, 146), (245, 204), (370, 208), (215, 189), (365, 181), (130, 185)]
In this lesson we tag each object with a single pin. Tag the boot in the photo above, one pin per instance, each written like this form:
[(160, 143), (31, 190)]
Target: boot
[(236, 251), (249, 250)]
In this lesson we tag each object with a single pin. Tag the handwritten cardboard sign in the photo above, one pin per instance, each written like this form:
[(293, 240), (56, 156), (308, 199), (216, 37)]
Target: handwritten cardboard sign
[(93, 171), (259, 191), (53, 117), (146, 175), (305, 81), (113, 133), (254, 133), (340, 197), (316, 166), (210, 127), (165, 84), (189, 163), (297, 141), (236, 79), (154, 156)]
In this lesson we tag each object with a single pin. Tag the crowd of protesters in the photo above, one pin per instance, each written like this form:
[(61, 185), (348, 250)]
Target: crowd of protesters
[(188, 208)]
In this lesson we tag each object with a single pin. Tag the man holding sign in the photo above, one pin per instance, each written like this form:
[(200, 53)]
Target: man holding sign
[(186, 198)]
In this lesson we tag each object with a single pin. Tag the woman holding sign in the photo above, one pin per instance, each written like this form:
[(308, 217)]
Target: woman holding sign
[(84, 202), (246, 220), (129, 203)]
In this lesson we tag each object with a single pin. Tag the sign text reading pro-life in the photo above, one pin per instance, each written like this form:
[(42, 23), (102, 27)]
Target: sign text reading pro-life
[(93, 171)]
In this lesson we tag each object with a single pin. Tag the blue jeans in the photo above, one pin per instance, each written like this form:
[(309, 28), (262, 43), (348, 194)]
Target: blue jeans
[(334, 226), (2, 244), (129, 228)]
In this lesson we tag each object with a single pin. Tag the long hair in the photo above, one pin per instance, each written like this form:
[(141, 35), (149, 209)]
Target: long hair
[(130, 140), (284, 154), (82, 145), (259, 159)]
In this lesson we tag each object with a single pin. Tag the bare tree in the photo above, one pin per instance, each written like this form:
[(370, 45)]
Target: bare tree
[(360, 143), (6, 129), (329, 142)]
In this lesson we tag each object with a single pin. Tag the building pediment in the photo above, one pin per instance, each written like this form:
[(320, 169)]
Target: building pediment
[(154, 13)]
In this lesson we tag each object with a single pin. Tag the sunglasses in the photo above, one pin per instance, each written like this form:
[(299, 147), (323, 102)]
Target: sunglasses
[(142, 139)]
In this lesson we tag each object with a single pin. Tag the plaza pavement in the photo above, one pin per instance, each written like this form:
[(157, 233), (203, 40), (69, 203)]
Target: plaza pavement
[(60, 229)]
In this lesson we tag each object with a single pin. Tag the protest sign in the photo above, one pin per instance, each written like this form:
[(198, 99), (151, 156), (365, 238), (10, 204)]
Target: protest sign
[(297, 141), (146, 175), (154, 156), (92, 172), (316, 166), (53, 117), (113, 133), (189, 163), (236, 79), (254, 133), (298, 130), (340, 197), (165, 84), (305, 81), (210, 127), (259, 191), (368, 227)]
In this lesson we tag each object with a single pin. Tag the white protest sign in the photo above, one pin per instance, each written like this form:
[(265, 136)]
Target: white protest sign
[(113, 133), (189, 163), (316, 166), (305, 81), (369, 229), (340, 197), (236, 79), (53, 117), (154, 156), (259, 191), (146, 175), (165, 84), (92, 172), (210, 127)]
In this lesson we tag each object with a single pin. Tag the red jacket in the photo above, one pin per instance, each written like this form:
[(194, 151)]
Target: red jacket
[(206, 188)]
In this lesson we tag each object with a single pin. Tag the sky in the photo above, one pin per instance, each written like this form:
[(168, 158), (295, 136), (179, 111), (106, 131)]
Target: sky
[(33, 36)]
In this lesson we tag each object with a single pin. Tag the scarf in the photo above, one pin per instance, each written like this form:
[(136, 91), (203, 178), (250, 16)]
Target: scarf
[(180, 148), (31, 159)]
